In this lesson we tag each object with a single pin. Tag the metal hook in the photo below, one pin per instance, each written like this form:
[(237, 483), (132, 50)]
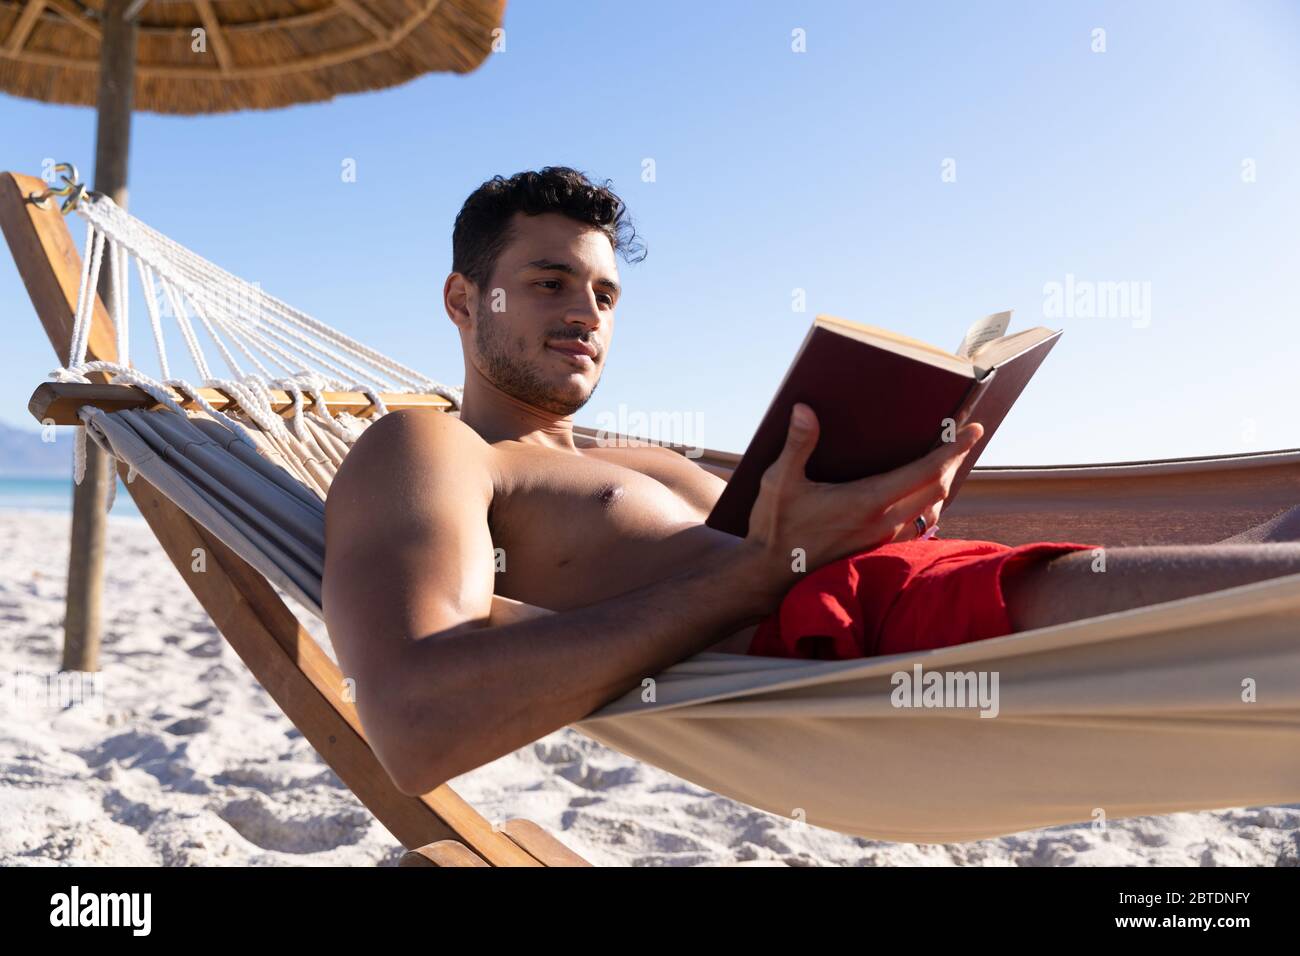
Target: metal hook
[(72, 188)]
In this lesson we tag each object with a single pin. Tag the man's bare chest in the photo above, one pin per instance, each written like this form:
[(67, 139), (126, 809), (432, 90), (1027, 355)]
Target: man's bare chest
[(570, 530)]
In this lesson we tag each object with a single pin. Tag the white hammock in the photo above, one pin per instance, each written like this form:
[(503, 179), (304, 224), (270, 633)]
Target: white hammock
[(1193, 704)]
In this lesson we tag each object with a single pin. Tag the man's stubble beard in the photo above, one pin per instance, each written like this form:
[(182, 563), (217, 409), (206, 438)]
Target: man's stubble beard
[(518, 378)]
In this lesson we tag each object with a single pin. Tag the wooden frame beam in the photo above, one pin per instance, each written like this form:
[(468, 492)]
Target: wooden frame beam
[(208, 16), (308, 686), (57, 402), (49, 264), (75, 16), (23, 26), (364, 17)]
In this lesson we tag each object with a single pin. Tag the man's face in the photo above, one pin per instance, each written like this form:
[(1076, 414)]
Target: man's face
[(550, 301)]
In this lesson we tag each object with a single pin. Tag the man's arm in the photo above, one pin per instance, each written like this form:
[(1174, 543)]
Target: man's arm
[(408, 590)]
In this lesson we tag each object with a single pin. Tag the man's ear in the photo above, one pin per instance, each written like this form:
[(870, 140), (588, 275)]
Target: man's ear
[(458, 297)]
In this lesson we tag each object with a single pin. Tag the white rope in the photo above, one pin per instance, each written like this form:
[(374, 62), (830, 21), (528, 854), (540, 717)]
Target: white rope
[(331, 422), (312, 356), (307, 348), (380, 408), (155, 321), (295, 391), (155, 389), (118, 300), (129, 376), (255, 399), (110, 494), (187, 332), (198, 277), (86, 296), (79, 454), (231, 363), (247, 349), (79, 458), (185, 388)]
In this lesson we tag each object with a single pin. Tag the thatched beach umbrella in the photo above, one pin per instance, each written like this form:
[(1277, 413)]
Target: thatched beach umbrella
[(209, 56), (213, 56)]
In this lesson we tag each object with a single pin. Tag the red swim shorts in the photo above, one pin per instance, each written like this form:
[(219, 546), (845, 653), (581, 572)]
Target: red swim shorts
[(908, 596)]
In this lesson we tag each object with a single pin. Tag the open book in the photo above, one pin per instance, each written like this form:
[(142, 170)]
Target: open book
[(884, 399)]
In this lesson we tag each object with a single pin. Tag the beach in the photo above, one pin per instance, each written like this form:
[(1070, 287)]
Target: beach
[(175, 756)]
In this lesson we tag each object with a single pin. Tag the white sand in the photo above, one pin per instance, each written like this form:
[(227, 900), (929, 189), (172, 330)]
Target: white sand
[(189, 762)]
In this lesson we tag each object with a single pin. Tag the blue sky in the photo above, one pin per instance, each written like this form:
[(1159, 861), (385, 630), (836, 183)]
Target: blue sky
[(1170, 160)]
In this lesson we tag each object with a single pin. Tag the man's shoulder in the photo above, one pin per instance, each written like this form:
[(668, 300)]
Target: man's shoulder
[(408, 451), (414, 433)]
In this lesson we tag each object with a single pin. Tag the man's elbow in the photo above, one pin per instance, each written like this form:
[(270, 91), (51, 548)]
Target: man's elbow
[(413, 772), (422, 754), (412, 783), (416, 776), (404, 740), (424, 727)]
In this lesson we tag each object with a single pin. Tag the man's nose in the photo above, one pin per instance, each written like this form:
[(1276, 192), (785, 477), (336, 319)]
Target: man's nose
[(585, 312)]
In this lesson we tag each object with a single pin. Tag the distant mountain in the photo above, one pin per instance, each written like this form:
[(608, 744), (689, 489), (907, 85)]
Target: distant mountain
[(24, 455)]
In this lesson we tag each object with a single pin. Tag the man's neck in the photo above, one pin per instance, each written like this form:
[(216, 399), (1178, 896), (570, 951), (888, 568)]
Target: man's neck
[(498, 417)]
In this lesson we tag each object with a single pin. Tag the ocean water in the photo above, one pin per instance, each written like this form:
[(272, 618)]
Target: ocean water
[(55, 494)]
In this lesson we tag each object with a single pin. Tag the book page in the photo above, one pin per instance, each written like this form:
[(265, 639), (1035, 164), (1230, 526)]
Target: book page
[(896, 342), (982, 332), (994, 353), (864, 332)]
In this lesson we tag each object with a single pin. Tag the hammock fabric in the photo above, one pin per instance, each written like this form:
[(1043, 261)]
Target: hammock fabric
[(1188, 705)]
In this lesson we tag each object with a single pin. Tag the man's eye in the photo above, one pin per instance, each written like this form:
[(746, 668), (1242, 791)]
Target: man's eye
[(544, 281), (608, 299)]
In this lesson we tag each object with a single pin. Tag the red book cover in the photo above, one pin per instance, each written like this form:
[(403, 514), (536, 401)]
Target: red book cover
[(878, 409)]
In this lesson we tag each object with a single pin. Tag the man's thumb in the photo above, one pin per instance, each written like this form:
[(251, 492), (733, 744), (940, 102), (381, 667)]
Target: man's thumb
[(800, 439)]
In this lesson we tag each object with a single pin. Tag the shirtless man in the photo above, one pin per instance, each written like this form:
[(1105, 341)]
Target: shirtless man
[(611, 538)]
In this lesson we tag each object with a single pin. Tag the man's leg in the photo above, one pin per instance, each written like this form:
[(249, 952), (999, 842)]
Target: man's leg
[(1067, 588)]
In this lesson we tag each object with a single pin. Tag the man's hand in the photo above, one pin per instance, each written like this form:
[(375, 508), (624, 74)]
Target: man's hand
[(831, 520)]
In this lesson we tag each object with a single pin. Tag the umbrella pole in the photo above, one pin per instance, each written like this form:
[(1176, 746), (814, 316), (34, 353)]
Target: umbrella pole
[(82, 623)]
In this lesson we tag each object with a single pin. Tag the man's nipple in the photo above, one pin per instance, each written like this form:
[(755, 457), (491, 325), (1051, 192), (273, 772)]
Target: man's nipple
[(609, 494)]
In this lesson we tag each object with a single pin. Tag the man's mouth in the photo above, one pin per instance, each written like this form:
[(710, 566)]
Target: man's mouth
[(580, 353)]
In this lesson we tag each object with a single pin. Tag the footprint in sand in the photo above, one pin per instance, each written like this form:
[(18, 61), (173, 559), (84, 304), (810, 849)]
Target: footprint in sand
[(596, 778), (211, 646), (188, 725), (274, 827), (155, 753), (556, 753)]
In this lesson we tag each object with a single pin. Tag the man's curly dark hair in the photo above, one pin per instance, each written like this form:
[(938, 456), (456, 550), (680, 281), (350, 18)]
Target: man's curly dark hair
[(482, 227)]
